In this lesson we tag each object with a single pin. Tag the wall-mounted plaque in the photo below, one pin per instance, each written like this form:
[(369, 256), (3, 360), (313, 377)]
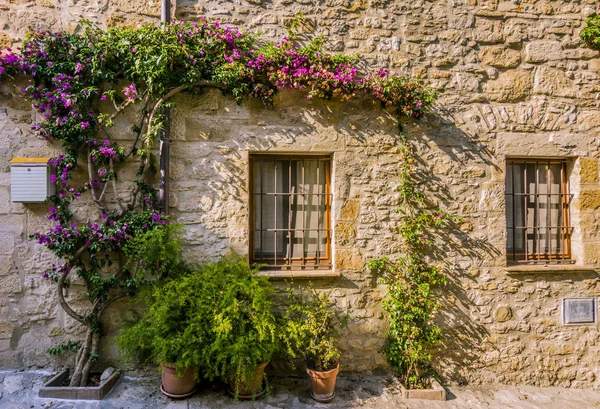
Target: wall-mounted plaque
[(579, 310)]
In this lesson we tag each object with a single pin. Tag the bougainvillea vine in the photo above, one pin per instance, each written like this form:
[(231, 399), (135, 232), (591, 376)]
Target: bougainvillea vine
[(81, 82)]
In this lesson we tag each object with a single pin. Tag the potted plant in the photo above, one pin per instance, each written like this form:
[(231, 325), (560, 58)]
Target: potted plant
[(243, 327), (310, 329), (172, 330)]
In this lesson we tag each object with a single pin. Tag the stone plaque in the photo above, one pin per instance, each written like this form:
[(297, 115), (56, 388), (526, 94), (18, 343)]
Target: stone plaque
[(579, 310)]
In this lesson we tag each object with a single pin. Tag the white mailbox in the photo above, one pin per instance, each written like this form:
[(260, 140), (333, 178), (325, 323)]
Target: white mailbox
[(30, 180)]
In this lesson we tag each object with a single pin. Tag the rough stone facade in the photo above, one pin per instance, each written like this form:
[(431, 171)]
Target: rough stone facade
[(514, 80)]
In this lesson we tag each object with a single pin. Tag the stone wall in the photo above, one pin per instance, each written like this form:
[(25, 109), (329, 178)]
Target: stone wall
[(514, 80)]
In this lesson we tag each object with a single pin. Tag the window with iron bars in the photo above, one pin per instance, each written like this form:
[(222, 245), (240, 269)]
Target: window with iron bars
[(537, 211), (290, 211)]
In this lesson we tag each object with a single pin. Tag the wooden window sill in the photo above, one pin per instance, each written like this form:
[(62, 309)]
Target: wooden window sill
[(550, 269), (299, 274)]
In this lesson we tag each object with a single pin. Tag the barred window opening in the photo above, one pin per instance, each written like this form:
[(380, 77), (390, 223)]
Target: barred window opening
[(290, 212), (537, 211)]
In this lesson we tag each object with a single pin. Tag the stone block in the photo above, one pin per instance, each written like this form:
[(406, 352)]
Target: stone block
[(7, 243), (589, 170), (11, 284), (591, 253), (350, 210), (144, 7), (589, 199), (500, 57), (503, 314), (541, 51), (6, 265), (4, 201), (553, 81), (349, 259), (488, 31), (5, 41), (7, 330), (344, 233), (12, 224), (510, 86)]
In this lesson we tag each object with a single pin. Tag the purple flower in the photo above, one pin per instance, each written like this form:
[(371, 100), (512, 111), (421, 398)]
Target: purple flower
[(133, 49), (85, 124), (104, 215), (53, 178), (131, 92)]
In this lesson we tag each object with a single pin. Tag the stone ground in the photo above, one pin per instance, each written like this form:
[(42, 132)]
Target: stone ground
[(18, 390)]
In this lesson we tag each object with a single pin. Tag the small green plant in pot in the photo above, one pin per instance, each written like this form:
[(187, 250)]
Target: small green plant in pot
[(243, 327), (310, 329), (173, 328)]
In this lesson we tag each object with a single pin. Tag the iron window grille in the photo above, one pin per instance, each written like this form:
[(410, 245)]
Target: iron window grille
[(290, 212), (537, 211)]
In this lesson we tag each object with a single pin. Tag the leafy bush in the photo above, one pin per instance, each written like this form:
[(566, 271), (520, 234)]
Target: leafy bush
[(242, 325), (217, 316), (310, 329), (591, 34)]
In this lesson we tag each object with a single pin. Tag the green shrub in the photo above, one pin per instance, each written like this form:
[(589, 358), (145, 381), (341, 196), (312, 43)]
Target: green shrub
[(217, 316), (242, 325), (310, 329)]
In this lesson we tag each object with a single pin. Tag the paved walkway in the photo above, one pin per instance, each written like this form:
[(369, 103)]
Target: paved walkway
[(18, 390)]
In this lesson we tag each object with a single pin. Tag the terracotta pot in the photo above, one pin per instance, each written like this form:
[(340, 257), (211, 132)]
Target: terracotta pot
[(323, 384), (252, 388), (178, 386)]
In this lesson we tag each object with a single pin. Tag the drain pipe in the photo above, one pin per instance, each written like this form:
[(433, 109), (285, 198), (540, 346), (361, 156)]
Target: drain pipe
[(163, 184)]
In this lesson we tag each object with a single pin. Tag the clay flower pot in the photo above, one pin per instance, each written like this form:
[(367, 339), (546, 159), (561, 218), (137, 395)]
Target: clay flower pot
[(175, 386), (252, 388), (323, 384)]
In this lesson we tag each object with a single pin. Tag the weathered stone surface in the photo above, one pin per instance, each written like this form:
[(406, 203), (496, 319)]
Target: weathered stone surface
[(503, 314), (589, 200), (5, 41), (510, 86), (589, 170), (344, 233), (350, 210), (500, 56), (552, 81), (541, 51), (349, 259), (6, 330), (514, 81)]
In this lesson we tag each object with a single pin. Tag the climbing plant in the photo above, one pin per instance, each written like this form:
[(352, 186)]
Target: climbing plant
[(591, 33), (412, 279), (81, 83)]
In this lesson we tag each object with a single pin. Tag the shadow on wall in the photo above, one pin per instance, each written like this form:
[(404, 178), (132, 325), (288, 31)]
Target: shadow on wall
[(451, 165), (362, 134)]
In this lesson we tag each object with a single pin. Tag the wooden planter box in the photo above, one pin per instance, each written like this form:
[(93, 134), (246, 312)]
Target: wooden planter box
[(436, 393), (53, 388)]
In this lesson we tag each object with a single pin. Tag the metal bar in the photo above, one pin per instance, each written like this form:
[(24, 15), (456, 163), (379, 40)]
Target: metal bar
[(304, 212), (513, 213), (291, 189), (537, 207), (275, 198), (319, 219), (525, 186), (548, 210), (290, 194), (295, 230), (560, 222)]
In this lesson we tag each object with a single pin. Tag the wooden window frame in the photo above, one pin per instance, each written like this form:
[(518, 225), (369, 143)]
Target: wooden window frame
[(303, 263), (565, 230)]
